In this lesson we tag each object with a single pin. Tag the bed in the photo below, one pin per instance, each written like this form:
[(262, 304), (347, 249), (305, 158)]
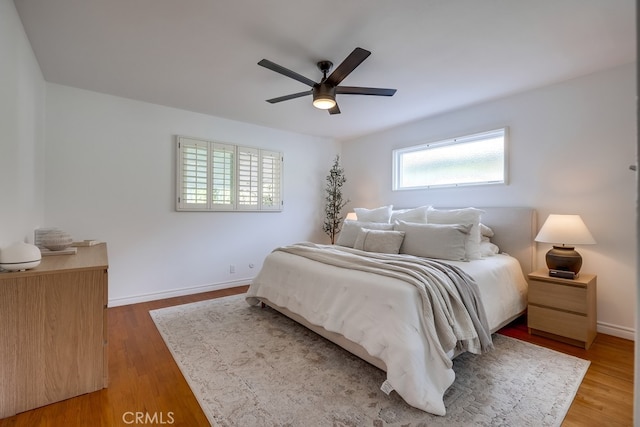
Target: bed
[(381, 317)]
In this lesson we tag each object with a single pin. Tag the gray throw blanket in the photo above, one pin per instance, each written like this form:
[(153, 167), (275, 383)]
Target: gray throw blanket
[(452, 308)]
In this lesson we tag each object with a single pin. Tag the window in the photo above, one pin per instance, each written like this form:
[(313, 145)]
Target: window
[(223, 177), (468, 160)]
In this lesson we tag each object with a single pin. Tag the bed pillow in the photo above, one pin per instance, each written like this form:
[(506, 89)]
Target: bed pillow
[(443, 241), (461, 216), (486, 231), (382, 214), (350, 229), (382, 241), (487, 248), (418, 215)]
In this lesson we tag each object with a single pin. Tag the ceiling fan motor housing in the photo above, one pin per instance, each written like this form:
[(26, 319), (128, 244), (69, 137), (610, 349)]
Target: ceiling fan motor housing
[(323, 90), (324, 96)]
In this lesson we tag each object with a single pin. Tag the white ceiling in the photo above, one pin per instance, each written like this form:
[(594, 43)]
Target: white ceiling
[(201, 55)]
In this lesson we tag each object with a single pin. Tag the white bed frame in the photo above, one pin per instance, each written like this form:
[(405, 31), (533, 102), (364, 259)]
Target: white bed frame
[(514, 228)]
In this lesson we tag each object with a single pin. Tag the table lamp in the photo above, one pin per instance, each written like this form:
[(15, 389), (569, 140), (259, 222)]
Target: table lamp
[(564, 231), (351, 216)]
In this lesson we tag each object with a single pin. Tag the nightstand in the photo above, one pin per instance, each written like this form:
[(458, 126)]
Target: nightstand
[(563, 309)]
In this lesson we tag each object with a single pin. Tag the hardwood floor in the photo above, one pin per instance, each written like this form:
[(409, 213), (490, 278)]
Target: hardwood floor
[(147, 388)]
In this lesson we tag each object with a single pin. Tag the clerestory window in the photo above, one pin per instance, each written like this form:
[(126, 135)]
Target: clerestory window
[(468, 160)]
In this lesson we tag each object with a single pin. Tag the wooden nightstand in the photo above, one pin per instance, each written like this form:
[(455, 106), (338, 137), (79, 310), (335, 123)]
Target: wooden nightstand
[(563, 309)]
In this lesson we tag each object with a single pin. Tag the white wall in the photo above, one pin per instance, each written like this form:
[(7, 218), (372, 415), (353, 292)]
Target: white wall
[(571, 145), (111, 176), (22, 97)]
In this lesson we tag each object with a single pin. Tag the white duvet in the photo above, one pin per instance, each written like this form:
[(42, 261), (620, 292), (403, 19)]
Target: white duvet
[(383, 314)]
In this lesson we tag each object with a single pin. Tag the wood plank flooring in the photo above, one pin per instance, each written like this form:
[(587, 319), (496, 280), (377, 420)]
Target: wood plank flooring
[(147, 388)]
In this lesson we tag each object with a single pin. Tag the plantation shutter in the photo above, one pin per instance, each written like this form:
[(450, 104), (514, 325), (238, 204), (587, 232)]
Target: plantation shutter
[(193, 179), (213, 176), (271, 180), (248, 178), (223, 176)]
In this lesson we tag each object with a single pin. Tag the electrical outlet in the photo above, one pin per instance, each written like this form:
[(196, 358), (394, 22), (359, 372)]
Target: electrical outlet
[(232, 269)]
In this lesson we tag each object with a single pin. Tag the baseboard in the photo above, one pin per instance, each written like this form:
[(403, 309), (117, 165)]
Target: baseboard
[(617, 331), (115, 302)]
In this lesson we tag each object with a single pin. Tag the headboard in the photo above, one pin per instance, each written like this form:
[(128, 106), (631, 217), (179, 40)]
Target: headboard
[(514, 228)]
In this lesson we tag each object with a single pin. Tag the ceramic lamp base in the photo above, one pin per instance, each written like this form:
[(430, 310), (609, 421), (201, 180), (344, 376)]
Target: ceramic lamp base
[(564, 258)]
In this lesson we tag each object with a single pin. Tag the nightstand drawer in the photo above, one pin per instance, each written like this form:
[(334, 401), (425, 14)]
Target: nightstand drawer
[(562, 297), (568, 325)]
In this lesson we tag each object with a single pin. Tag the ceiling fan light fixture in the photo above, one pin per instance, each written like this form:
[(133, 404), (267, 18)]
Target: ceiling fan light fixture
[(324, 97), (324, 103)]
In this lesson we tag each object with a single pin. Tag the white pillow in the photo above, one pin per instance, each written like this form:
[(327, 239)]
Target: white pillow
[(350, 229), (382, 241), (418, 215), (461, 216), (443, 241), (487, 248), (382, 214), (486, 231)]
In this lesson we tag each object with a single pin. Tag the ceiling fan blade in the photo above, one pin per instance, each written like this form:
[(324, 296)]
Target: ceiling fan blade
[(354, 59), (352, 90), (334, 110), (288, 97), (286, 72)]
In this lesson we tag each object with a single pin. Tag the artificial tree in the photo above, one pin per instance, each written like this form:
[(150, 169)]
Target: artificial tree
[(333, 200)]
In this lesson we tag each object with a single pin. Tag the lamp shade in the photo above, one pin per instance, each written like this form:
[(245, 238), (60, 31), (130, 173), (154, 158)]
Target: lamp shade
[(565, 230)]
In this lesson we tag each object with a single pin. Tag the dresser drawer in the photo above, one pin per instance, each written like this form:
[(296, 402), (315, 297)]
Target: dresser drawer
[(562, 297), (562, 323)]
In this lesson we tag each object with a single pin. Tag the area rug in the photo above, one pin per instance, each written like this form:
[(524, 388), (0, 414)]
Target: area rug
[(249, 366)]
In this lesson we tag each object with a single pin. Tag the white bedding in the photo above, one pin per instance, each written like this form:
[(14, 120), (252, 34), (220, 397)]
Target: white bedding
[(503, 287), (383, 314)]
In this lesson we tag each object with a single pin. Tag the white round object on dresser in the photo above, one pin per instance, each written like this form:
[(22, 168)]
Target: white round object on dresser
[(56, 240), (19, 256)]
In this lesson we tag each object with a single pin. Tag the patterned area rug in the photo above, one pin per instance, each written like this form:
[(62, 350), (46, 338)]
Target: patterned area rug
[(249, 366)]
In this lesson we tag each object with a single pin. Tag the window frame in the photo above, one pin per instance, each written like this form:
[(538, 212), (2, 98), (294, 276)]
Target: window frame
[(241, 176), (485, 135)]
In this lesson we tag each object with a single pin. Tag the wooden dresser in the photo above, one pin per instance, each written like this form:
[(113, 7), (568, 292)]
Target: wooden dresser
[(53, 330)]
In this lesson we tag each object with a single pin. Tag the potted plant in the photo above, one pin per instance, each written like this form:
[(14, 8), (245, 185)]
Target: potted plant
[(334, 201)]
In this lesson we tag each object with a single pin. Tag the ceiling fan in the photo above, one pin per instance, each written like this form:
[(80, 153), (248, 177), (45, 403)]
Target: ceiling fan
[(324, 93)]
